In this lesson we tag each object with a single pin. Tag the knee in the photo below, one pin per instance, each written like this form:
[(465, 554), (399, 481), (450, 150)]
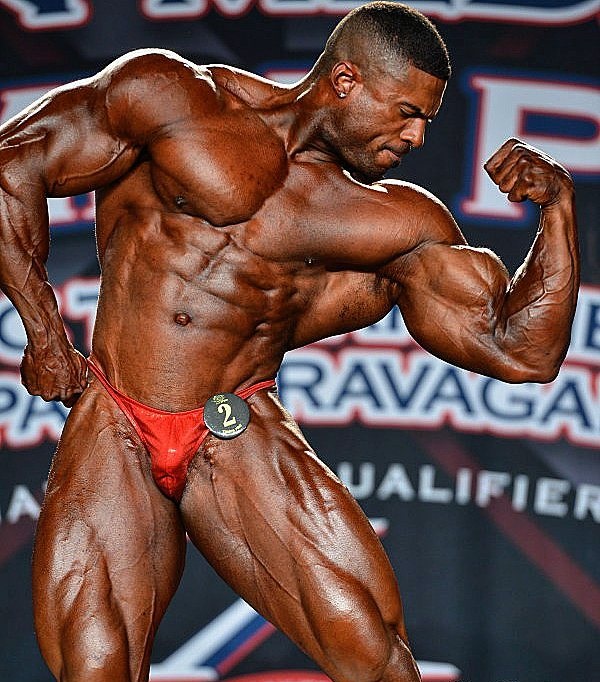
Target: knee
[(365, 661), (371, 654), (91, 652), (355, 649), (356, 641), (94, 664)]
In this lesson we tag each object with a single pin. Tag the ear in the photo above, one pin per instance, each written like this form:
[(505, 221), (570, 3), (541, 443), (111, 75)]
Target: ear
[(344, 76)]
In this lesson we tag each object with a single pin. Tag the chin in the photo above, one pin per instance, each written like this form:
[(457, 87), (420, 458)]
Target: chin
[(366, 168), (367, 175)]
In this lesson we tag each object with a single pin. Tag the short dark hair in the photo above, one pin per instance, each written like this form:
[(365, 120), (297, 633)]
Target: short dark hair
[(385, 32)]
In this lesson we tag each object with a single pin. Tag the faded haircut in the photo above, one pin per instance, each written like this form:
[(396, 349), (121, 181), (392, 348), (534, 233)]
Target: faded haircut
[(386, 35)]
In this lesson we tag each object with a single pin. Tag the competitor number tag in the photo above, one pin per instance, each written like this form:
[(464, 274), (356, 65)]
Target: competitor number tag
[(226, 415)]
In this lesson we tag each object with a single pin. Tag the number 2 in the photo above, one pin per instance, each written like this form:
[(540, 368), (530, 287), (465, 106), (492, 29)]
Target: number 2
[(229, 419)]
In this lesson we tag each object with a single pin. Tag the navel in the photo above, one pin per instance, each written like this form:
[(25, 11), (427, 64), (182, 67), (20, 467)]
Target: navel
[(182, 319)]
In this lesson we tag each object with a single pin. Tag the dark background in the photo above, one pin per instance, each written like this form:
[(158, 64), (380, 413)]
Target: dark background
[(501, 591)]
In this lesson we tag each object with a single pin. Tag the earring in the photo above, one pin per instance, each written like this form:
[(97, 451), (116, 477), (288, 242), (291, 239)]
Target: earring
[(341, 95)]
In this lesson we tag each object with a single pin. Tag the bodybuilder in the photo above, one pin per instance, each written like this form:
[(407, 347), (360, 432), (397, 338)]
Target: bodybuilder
[(238, 219)]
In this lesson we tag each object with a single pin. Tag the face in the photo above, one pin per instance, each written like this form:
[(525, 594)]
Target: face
[(378, 123)]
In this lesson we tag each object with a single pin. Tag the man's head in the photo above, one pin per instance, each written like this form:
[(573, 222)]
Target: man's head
[(383, 73), (386, 36)]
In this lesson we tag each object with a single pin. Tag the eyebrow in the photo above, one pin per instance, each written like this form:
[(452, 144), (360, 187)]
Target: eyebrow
[(416, 111)]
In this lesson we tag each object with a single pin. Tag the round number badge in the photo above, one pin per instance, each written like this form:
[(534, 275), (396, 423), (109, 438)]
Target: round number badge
[(226, 415)]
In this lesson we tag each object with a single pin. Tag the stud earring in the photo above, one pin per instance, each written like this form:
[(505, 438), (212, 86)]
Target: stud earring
[(341, 95)]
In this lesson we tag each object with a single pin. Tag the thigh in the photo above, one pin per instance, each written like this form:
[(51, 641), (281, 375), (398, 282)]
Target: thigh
[(285, 533), (109, 549)]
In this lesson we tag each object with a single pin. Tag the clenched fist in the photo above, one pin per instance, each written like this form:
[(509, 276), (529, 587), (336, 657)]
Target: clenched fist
[(524, 172), (54, 373)]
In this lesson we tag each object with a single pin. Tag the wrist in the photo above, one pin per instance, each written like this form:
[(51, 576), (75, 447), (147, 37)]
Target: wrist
[(52, 337), (563, 201), (562, 191)]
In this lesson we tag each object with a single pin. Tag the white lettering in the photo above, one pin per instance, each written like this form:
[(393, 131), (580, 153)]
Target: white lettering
[(395, 482), (520, 492), (13, 100), (412, 389), (39, 15), (12, 334), (22, 503), (585, 339), (464, 481), (64, 210), (490, 484), (27, 420), (366, 479), (451, 10), (427, 490), (587, 500), (183, 9), (548, 497)]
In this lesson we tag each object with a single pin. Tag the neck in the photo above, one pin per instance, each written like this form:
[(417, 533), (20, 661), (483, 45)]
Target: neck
[(303, 118), (297, 112)]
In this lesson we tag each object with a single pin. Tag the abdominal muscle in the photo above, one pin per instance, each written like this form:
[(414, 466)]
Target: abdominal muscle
[(176, 325)]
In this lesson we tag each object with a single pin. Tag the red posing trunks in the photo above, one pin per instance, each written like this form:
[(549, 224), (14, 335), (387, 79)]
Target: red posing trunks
[(171, 438)]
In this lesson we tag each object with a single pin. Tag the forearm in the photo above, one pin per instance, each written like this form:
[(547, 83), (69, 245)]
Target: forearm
[(535, 320), (23, 277), (51, 367)]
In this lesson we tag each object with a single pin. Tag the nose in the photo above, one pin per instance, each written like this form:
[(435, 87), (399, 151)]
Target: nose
[(414, 132)]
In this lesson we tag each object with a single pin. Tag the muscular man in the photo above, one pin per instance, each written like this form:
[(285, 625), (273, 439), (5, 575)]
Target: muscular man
[(238, 219)]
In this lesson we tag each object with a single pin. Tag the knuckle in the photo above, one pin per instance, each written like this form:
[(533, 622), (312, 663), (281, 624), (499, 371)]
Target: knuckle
[(524, 159), (509, 144), (527, 178)]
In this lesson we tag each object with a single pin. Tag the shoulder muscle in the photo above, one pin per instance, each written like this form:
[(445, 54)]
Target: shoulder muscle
[(87, 133), (148, 90), (426, 217)]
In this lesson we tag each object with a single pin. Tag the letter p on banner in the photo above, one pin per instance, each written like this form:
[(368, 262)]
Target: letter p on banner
[(561, 118)]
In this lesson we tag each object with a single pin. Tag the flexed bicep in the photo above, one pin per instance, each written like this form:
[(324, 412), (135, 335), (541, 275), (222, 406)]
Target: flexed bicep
[(450, 294), (453, 300), (461, 304)]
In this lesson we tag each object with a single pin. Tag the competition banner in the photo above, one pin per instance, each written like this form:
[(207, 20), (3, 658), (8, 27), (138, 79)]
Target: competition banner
[(486, 495)]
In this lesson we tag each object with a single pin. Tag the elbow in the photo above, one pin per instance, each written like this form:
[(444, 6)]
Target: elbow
[(542, 372), (531, 359), (533, 376), (547, 374)]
